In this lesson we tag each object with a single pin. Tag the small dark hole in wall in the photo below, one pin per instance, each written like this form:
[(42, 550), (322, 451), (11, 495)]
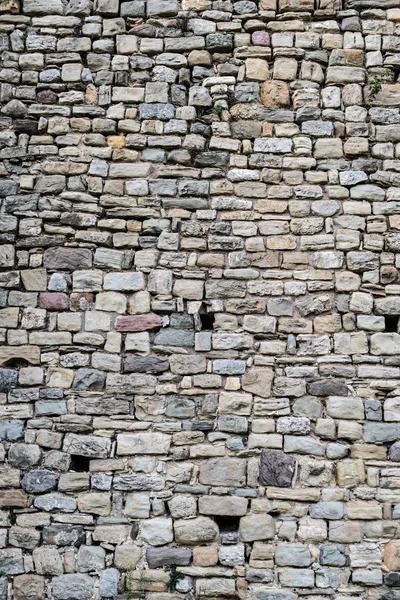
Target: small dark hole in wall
[(227, 523), (207, 321), (79, 464), (391, 323)]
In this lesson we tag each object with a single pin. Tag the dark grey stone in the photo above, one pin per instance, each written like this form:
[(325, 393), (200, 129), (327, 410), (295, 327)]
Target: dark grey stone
[(8, 379), (146, 364), (392, 579), (327, 387), (161, 557), (219, 42), (276, 468), (38, 481)]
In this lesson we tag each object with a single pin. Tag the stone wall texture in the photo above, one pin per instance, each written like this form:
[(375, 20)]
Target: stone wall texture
[(199, 299)]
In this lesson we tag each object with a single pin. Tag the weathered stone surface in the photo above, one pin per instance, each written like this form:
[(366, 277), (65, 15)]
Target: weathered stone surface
[(256, 527), (276, 468), (161, 557), (191, 532), (146, 364), (229, 471), (217, 505), (67, 258), (73, 586), (138, 323)]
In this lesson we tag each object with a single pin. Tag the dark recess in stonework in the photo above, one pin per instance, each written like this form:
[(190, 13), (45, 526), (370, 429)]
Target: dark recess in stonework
[(391, 323), (79, 464)]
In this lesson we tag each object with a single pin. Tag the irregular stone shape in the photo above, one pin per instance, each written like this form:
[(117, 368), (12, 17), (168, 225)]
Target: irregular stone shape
[(394, 452), (109, 580), (19, 354), (92, 380), (191, 532), (327, 387), (11, 430), (29, 587), (138, 323), (157, 531), (333, 555), (276, 468), (258, 381), (67, 259), (275, 94), (24, 456), (256, 527), (165, 557), (11, 561), (146, 364), (73, 587), (38, 481)]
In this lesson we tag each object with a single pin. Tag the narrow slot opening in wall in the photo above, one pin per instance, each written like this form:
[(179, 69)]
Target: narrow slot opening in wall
[(207, 321), (391, 323), (79, 464)]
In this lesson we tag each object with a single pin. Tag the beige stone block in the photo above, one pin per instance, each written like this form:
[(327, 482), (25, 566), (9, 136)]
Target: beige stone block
[(256, 69)]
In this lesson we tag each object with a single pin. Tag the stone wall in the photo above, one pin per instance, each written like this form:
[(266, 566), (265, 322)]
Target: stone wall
[(200, 296)]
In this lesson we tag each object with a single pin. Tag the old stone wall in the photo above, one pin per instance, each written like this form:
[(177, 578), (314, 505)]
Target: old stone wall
[(199, 299)]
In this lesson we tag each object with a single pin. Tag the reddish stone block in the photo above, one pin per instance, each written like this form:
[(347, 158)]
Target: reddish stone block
[(260, 38), (54, 301), (138, 322)]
